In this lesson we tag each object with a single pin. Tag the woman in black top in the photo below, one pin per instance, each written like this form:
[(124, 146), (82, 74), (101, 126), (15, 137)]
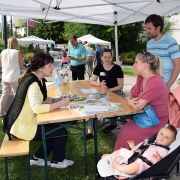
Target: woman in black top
[(110, 77)]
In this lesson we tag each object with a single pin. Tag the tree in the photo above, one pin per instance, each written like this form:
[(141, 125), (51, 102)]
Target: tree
[(127, 34), (78, 29), (48, 30)]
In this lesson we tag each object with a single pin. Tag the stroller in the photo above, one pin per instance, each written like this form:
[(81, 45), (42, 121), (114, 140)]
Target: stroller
[(163, 168)]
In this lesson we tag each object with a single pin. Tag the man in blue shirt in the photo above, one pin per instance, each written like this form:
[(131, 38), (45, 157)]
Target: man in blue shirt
[(77, 56), (164, 46)]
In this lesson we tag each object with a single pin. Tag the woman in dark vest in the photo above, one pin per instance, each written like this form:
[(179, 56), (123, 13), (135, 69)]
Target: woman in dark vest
[(31, 99)]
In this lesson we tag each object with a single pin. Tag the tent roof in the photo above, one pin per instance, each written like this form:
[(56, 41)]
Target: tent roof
[(93, 40), (103, 12), (34, 40)]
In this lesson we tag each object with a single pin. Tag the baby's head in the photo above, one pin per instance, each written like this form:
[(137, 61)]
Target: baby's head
[(166, 135)]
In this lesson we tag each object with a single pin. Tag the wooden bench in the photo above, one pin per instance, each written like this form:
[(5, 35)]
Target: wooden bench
[(15, 147)]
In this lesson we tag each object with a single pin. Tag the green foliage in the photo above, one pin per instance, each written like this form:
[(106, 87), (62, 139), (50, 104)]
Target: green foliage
[(28, 56), (48, 30), (128, 35), (128, 71), (129, 58), (139, 46), (17, 35), (77, 29), (167, 25), (23, 49), (2, 46)]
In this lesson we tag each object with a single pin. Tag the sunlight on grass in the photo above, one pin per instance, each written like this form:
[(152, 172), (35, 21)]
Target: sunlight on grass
[(74, 151), (128, 71)]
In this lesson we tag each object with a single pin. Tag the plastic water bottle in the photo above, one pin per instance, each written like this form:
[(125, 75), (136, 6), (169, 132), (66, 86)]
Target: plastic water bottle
[(61, 82), (56, 80)]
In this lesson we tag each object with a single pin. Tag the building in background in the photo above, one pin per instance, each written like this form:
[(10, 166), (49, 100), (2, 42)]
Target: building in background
[(175, 27)]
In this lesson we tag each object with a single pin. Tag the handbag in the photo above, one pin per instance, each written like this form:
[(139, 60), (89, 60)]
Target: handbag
[(147, 119)]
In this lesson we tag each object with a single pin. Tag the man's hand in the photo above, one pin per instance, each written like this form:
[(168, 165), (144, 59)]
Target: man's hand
[(71, 58)]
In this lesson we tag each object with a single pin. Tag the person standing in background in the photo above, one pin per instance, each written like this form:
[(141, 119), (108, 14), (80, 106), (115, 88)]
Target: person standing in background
[(90, 59), (77, 56), (164, 46), (85, 44), (98, 54), (10, 60), (47, 49)]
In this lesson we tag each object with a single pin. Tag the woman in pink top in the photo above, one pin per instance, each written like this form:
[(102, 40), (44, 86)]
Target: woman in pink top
[(149, 89), (64, 59)]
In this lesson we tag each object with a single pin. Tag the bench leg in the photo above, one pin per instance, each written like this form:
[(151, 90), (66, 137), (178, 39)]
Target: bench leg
[(28, 167), (85, 150), (6, 167), (45, 151)]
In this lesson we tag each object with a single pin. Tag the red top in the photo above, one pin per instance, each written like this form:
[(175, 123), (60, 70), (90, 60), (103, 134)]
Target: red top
[(155, 92)]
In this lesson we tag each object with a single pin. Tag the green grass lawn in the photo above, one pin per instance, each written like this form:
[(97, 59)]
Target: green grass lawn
[(74, 151), (128, 71)]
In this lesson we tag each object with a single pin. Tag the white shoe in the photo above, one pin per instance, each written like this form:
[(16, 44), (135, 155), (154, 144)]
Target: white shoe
[(38, 162), (62, 165), (68, 162)]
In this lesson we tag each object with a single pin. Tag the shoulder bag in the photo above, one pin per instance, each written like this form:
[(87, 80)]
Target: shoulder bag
[(147, 119)]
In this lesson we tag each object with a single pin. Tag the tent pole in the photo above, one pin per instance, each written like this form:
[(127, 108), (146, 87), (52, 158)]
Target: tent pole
[(116, 44), (27, 27), (5, 32)]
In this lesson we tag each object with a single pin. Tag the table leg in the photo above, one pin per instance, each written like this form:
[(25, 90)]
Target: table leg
[(95, 140), (97, 177), (45, 151), (85, 150)]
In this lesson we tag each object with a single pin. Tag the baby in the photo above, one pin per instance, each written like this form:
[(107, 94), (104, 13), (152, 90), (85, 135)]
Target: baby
[(126, 162)]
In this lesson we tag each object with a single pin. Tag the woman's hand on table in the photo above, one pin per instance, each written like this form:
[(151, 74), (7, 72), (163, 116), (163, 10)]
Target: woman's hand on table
[(103, 84), (65, 101), (57, 99), (134, 103)]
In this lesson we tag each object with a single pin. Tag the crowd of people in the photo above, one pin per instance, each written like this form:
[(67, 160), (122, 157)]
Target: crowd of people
[(156, 70)]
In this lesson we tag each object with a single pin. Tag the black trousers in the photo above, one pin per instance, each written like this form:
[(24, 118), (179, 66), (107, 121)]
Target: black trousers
[(55, 145), (78, 72)]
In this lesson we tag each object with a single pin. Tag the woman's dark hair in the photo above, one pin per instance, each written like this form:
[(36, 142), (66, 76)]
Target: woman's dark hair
[(156, 20), (38, 60), (64, 54), (106, 50)]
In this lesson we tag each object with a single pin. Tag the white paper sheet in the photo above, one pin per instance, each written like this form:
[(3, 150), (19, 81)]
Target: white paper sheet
[(49, 84), (89, 91), (95, 108)]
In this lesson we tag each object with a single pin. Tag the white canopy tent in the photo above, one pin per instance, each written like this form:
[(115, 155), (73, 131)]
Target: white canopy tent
[(34, 40), (93, 40), (102, 12)]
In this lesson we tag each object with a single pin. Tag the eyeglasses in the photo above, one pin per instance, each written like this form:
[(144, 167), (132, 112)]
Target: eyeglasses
[(144, 53)]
